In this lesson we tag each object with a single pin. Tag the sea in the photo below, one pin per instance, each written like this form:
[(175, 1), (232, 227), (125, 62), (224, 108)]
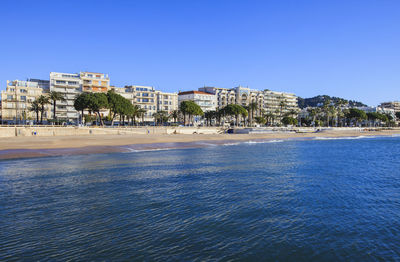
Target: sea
[(321, 199)]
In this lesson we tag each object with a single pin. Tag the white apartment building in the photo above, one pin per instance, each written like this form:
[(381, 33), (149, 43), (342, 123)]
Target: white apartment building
[(17, 100), (70, 85), (206, 101), (167, 102)]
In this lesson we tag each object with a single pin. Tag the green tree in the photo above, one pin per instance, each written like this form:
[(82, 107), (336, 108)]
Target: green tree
[(236, 111), (43, 101), (191, 109), (35, 107), (253, 106), (81, 103), (140, 113), (54, 97), (288, 120), (355, 114), (175, 115), (117, 104), (209, 116), (260, 120), (97, 101)]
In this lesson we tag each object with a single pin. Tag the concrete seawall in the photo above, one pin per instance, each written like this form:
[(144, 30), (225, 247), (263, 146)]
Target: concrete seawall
[(81, 131)]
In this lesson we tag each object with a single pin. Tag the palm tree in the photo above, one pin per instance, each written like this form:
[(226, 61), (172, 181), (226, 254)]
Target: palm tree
[(35, 107), (56, 96), (42, 100), (141, 112), (253, 106), (269, 118), (175, 115), (282, 105)]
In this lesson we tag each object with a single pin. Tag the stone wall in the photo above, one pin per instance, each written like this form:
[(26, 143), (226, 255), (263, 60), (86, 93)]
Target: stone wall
[(81, 131)]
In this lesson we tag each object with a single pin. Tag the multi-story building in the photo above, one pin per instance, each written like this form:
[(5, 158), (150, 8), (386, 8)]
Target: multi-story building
[(94, 82), (167, 102), (267, 101), (224, 96), (17, 100), (206, 101), (279, 102), (395, 105), (70, 85), (149, 99)]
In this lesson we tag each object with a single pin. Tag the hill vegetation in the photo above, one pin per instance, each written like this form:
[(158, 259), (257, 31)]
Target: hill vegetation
[(319, 101)]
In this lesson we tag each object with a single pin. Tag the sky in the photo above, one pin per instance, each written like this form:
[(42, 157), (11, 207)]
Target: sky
[(349, 49)]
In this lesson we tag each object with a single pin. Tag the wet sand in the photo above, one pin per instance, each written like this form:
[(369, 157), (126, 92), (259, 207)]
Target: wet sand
[(22, 147)]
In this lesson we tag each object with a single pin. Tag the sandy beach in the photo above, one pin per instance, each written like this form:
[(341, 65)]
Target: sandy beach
[(17, 147)]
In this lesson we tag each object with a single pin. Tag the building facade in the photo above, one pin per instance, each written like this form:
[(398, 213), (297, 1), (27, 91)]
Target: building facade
[(69, 85), (269, 102), (206, 101), (395, 105), (17, 100), (149, 99), (95, 82)]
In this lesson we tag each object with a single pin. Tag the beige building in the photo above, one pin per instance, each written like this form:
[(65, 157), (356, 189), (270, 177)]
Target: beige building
[(268, 101), (395, 105), (147, 98), (279, 102), (95, 82), (17, 100)]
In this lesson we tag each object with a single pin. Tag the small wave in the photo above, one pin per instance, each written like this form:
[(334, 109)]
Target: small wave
[(264, 141), (343, 138), (131, 150)]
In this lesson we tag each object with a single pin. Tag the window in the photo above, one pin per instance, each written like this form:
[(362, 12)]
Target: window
[(23, 98), (154, 107), (90, 75), (72, 82), (145, 94), (23, 91), (9, 97), (165, 102), (60, 82), (138, 99), (145, 100)]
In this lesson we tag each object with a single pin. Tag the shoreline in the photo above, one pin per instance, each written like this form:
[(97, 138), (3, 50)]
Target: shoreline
[(28, 147)]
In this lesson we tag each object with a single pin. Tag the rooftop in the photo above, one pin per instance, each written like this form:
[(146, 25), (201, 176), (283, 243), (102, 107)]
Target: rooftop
[(193, 92)]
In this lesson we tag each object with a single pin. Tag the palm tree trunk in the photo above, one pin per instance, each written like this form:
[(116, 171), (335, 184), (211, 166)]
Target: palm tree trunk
[(54, 109), (41, 116)]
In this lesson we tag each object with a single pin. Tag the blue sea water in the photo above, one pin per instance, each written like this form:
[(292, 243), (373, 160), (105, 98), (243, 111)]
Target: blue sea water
[(319, 200)]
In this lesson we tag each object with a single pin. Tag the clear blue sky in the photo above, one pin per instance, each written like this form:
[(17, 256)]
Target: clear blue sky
[(343, 48)]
